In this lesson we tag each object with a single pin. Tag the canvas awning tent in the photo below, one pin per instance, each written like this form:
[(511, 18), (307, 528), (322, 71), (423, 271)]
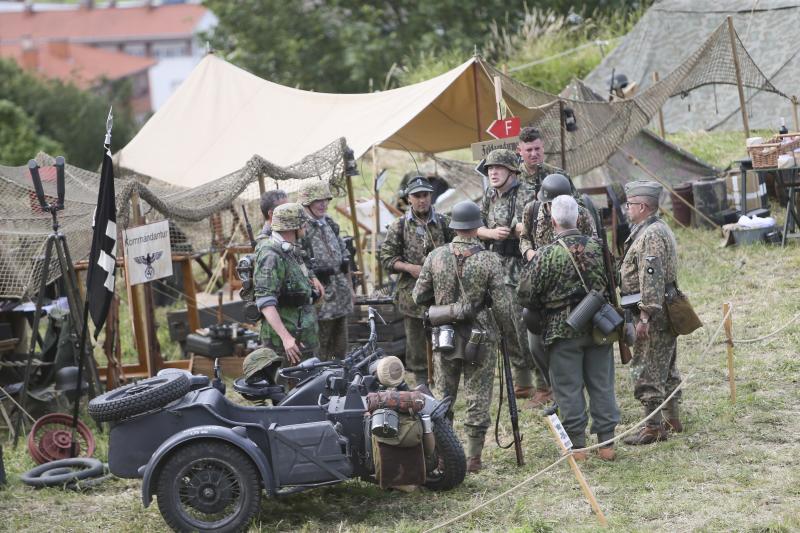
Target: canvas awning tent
[(223, 115), (669, 32)]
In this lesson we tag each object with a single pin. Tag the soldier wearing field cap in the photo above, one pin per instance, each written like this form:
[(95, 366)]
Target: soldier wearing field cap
[(649, 268), (409, 240), (501, 211), (327, 256)]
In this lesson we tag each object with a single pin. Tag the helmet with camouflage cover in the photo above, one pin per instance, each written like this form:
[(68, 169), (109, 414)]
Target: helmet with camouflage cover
[(288, 217), (554, 185), (503, 158), (314, 190), (262, 363)]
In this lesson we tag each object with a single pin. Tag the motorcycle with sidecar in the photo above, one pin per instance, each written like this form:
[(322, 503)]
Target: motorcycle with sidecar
[(207, 458)]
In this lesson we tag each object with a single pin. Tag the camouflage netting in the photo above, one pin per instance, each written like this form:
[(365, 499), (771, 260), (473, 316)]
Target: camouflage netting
[(603, 127), (201, 219)]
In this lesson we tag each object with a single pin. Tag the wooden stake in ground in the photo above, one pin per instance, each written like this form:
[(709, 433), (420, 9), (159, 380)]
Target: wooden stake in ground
[(728, 315), (560, 436), (660, 112)]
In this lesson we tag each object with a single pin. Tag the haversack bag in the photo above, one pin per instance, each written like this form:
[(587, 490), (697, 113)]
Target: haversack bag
[(682, 318)]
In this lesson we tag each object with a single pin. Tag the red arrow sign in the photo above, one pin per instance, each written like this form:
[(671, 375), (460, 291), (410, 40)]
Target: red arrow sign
[(504, 128)]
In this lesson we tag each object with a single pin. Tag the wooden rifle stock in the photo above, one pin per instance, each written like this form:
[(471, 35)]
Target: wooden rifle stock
[(625, 355), (512, 401)]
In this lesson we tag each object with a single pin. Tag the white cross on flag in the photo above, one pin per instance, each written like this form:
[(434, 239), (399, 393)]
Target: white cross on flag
[(103, 258)]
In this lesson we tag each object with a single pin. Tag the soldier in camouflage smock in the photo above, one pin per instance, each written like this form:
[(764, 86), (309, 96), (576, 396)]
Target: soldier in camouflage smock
[(410, 239), (327, 256), (650, 267), (533, 170), (283, 288), (555, 284), (539, 232), (464, 265), (501, 211)]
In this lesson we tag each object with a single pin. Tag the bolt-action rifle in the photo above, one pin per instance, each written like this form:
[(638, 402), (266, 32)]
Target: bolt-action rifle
[(512, 403), (625, 355), (249, 229)]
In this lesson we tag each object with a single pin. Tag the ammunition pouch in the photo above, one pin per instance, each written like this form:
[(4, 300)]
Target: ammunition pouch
[(506, 248), (456, 313), (324, 274), (293, 299)]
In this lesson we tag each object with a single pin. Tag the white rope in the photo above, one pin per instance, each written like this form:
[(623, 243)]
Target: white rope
[(767, 336)]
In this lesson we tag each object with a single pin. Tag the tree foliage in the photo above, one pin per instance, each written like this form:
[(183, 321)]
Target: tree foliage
[(340, 45), (61, 116), (19, 141)]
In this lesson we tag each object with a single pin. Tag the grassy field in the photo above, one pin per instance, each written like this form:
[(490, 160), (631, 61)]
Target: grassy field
[(730, 471)]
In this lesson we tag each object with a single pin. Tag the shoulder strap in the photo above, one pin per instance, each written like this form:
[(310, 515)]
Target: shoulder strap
[(574, 263), (459, 258)]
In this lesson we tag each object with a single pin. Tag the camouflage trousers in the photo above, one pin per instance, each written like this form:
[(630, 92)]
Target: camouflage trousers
[(416, 353), (333, 338), (653, 368), (478, 385)]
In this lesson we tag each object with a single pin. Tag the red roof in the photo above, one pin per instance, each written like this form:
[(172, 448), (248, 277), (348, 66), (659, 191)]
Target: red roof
[(102, 24), (82, 65)]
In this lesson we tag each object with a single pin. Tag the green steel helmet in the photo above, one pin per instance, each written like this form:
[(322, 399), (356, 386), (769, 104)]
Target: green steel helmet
[(503, 158), (466, 215), (262, 363), (554, 185), (314, 190), (288, 217)]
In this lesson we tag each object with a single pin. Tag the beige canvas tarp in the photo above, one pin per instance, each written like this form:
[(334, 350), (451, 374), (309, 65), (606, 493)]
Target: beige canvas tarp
[(222, 115)]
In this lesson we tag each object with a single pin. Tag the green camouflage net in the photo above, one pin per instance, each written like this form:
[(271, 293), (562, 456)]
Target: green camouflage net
[(204, 218)]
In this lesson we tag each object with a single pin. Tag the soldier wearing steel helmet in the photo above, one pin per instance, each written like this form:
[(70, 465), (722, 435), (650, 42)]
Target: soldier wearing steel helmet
[(538, 231), (284, 288), (465, 271), (409, 240), (327, 255), (533, 169), (501, 213)]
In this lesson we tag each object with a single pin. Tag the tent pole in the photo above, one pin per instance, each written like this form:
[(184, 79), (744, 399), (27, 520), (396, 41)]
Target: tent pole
[(794, 113), (732, 35), (261, 187), (563, 134), (660, 112), (376, 227), (478, 128), (356, 233)]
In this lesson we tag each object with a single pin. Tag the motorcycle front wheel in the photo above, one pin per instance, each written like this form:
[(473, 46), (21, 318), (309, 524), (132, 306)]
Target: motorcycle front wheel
[(449, 462)]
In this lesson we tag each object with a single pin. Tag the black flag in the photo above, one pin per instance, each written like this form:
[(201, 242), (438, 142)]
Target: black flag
[(103, 259)]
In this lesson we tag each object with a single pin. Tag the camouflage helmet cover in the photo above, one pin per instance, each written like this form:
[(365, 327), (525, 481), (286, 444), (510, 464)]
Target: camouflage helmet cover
[(262, 363), (288, 217), (314, 190), (504, 158)]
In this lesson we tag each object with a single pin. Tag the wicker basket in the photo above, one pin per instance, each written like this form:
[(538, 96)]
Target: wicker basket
[(766, 155)]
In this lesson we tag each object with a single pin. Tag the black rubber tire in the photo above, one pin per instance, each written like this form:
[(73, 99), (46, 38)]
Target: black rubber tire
[(139, 397), (39, 477), (449, 449), (195, 463)]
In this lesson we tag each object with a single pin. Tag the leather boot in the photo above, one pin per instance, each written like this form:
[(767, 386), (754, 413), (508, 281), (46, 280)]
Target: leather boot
[(541, 398), (653, 431), (607, 453), (673, 422), (579, 455), (474, 464), (523, 392)]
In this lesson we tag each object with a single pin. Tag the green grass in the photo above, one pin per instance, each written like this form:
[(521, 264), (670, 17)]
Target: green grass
[(720, 148), (732, 470)]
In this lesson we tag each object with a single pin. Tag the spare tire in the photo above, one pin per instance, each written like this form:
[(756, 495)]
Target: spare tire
[(139, 397), (63, 471)]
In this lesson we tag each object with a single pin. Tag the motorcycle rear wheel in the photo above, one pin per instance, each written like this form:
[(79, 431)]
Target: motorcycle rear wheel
[(451, 464), (208, 486)]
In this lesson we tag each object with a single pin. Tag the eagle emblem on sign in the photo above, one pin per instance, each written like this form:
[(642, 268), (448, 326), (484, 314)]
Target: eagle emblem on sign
[(148, 260)]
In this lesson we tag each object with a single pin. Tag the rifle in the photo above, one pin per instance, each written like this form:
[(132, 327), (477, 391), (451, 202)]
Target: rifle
[(512, 403), (625, 355)]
